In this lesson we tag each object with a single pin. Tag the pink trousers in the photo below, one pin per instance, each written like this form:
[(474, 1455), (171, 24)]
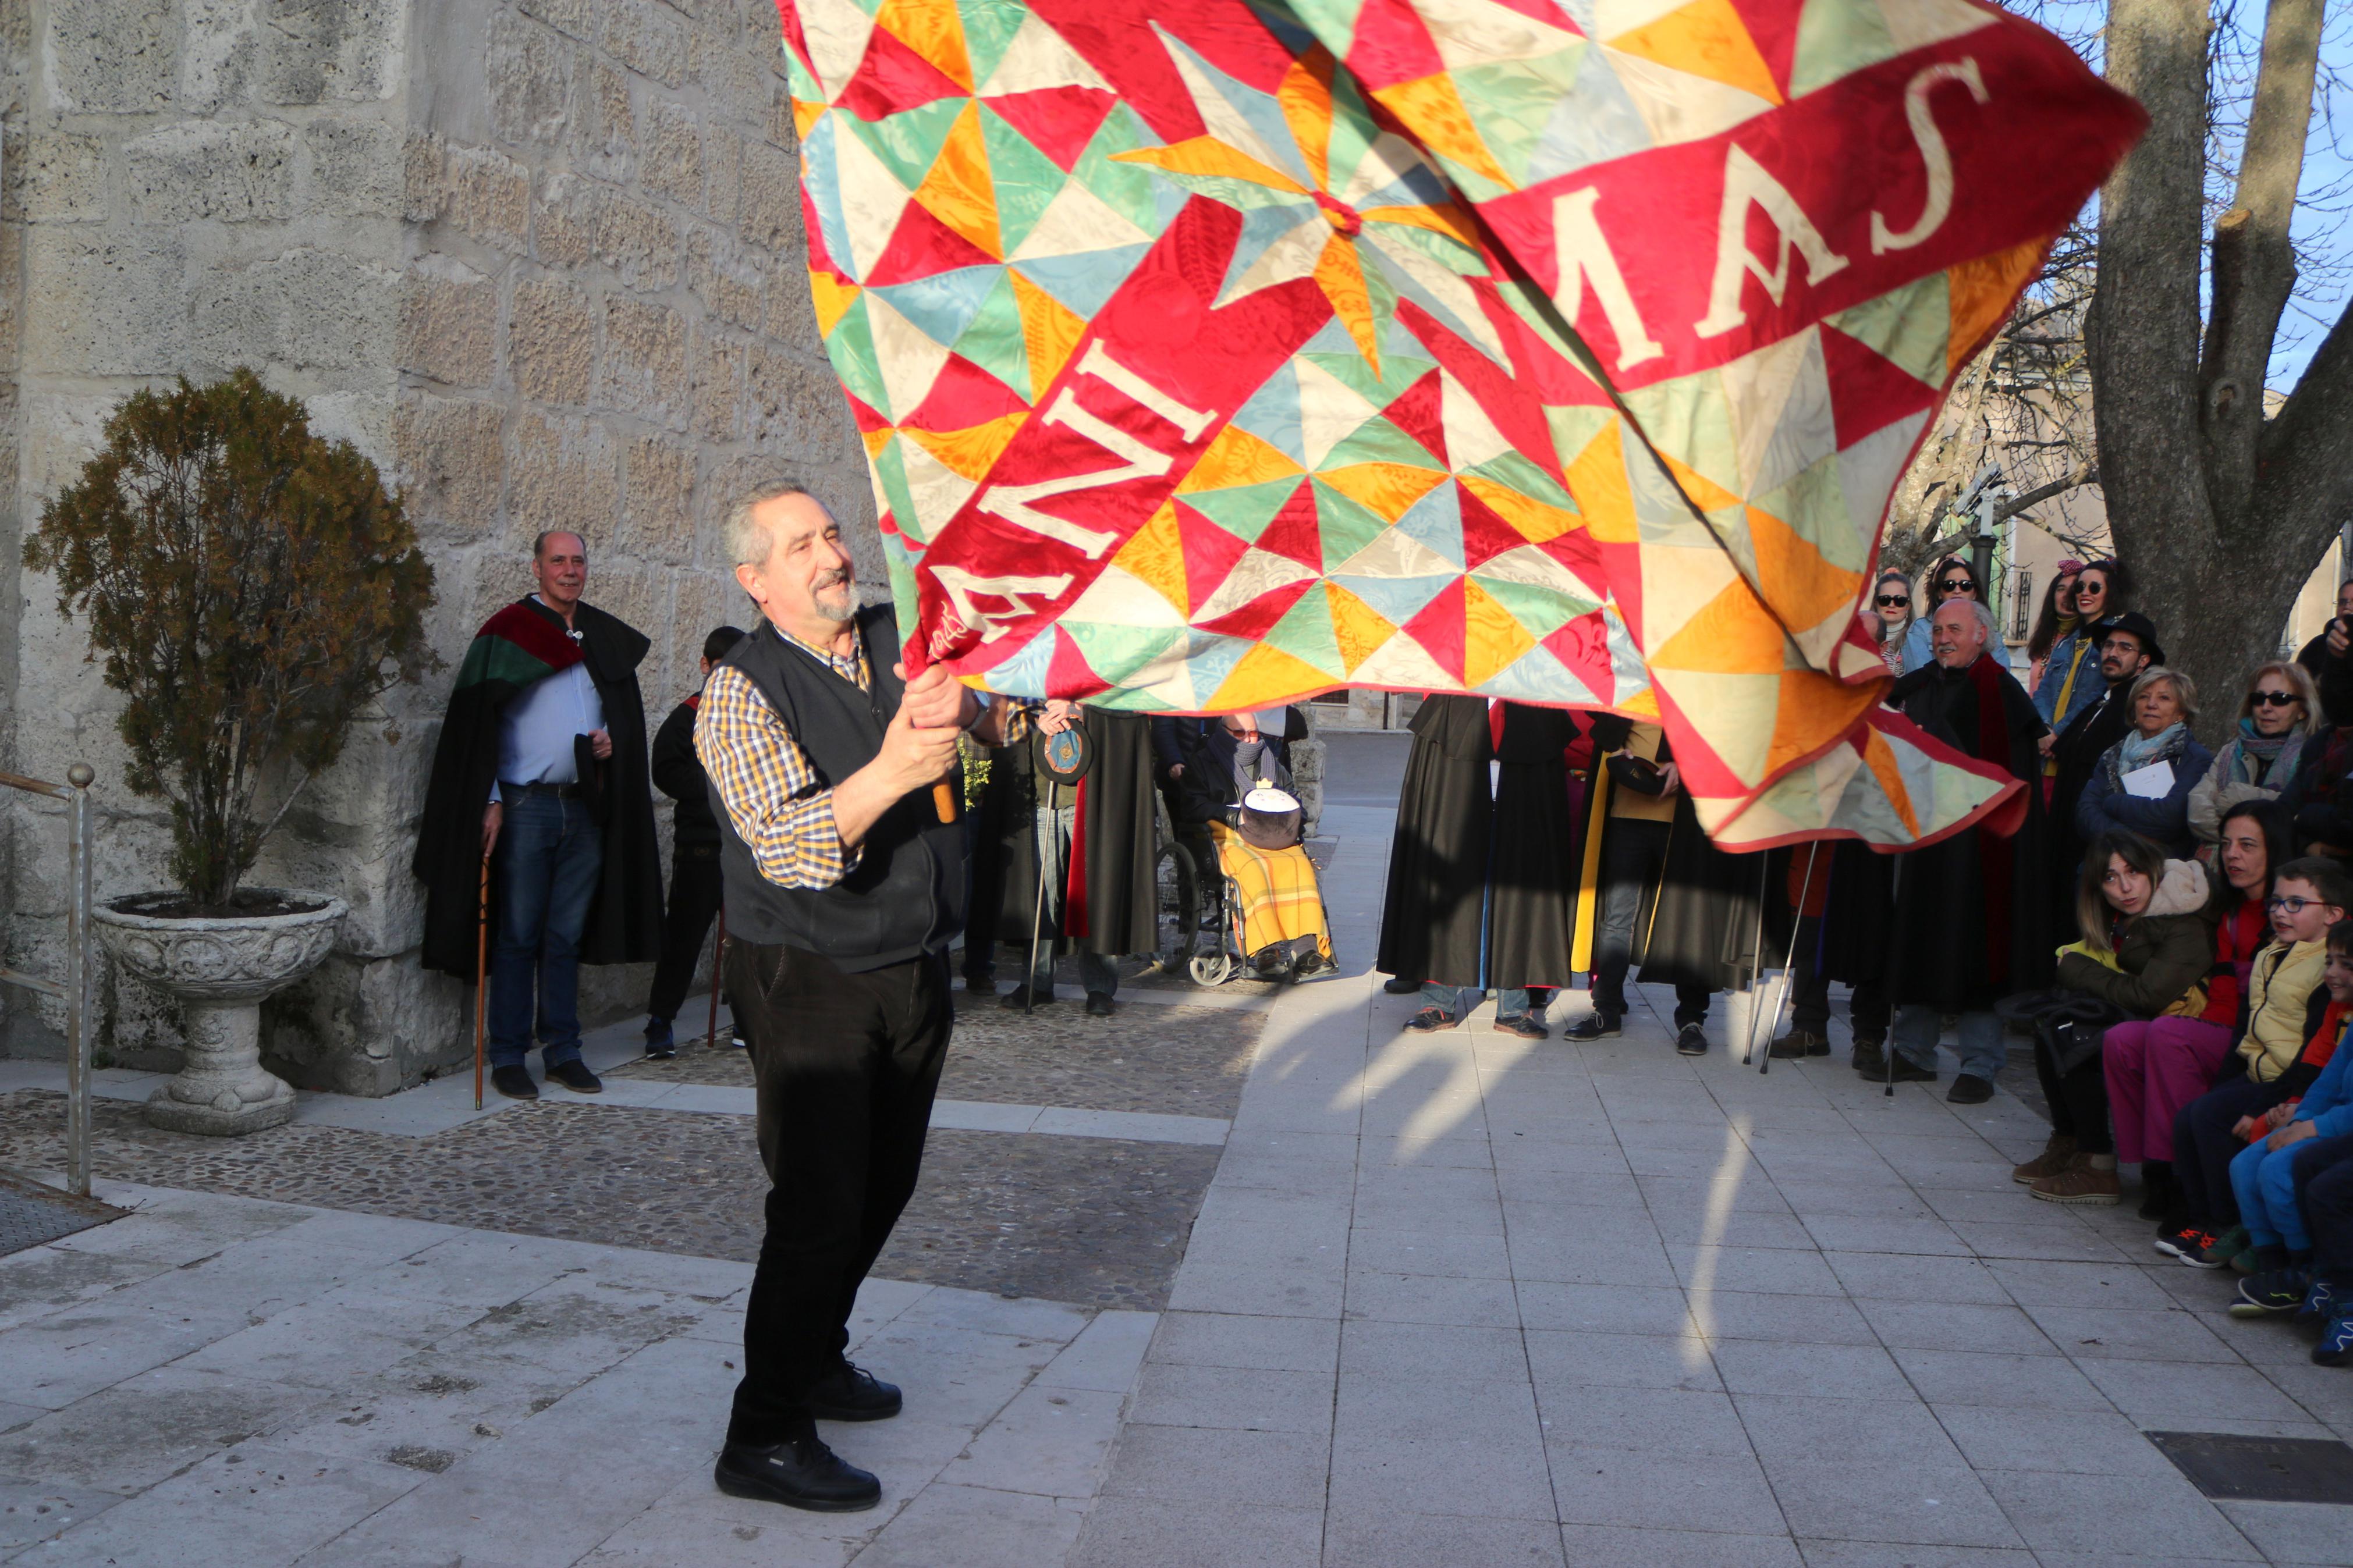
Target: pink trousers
[(2154, 1070)]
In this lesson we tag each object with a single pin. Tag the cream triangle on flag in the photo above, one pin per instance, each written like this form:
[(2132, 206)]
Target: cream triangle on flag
[(1745, 746), (1119, 597), (910, 361), (872, 200), (1330, 410), (1916, 24), (1257, 572), (1292, 255), (1678, 583), (1613, 18), (1039, 58), (1075, 222), (836, 32), (1389, 159), (1402, 664), (1480, 33), (1533, 566), (1850, 661), (1394, 552), (1677, 106), (937, 490), (1471, 438), (1780, 396)]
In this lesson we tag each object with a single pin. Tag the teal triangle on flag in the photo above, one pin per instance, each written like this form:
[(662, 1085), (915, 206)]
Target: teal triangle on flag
[(1024, 180), (1908, 326), (1378, 441), (1246, 510), (988, 26), (1511, 100), (1836, 38), (1512, 468), (1128, 189), (1345, 526), (1816, 493), (1305, 633), (890, 473), (993, 341), (907, 143), (851, 346), (1543, 611), (1116, 652)]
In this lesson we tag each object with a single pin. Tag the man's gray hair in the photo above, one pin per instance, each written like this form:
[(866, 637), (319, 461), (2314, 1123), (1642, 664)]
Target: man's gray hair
[(539, 545), (2185, 691), (748, 540), (1978, 607)]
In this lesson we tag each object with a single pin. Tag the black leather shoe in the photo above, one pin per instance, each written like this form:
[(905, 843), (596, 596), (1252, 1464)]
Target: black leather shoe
[(1594, 1027), (847, 1393), (1691, 1040), (1099, 1006), (575, 1076), (1968, 1088), (802, 1473), (1900, 1069), (514, 1083), (1399, 986), (1019, 997)]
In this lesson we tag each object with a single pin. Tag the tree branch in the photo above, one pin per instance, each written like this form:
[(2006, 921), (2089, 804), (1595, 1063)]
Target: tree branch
[(2303, 486), (2081, 475)]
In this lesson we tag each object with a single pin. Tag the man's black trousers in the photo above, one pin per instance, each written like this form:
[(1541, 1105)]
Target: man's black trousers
[(695, 889), (2202, 1146), (846, 1066)]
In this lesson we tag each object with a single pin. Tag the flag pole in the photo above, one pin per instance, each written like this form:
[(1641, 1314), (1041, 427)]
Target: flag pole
[(1790, 959), (481, 972), (718, 951)]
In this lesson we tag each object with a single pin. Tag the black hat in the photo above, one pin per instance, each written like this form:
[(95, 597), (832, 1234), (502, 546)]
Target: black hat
[(2140, 626)]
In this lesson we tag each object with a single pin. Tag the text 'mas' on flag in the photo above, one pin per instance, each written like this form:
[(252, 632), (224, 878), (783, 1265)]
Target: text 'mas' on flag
[(1210, 356)]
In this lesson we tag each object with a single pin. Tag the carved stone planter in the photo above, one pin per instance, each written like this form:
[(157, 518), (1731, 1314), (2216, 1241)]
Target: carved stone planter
[(220, 969)]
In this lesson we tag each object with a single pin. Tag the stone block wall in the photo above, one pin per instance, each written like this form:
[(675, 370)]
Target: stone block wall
[(541, 259)]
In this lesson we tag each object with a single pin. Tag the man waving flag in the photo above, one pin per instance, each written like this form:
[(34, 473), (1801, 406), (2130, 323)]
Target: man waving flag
[(1209, 355)]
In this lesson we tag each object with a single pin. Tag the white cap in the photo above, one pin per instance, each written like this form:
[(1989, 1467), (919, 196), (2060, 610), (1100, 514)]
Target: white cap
[(1266, 798)]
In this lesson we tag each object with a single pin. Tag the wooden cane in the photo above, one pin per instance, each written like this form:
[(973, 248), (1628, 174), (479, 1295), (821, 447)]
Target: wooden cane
[(943, 801), (718, 952), (481, 973)]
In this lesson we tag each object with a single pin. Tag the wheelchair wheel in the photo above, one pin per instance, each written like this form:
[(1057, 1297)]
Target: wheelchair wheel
[(1212, 969), (1178, 917)]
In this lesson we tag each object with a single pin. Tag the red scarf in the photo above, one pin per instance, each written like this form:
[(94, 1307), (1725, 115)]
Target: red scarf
[(1996, 856), (2323, 1041), (2242, 932)]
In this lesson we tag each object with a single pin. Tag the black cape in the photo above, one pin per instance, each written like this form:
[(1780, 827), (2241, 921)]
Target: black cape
[(625, 919), (1482, 892), (1939, 939), (1121, 849)]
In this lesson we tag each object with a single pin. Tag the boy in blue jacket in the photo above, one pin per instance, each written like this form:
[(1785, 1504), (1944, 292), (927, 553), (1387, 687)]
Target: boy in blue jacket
[(2270, 1173)]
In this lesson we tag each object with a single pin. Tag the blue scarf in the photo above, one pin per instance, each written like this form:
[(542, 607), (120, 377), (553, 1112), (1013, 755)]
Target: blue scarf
[(2257, 758), (2137, 751)]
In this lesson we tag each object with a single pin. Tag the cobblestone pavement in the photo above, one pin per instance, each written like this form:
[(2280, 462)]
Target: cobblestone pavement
[(1092, 1221), (1184, 1061)]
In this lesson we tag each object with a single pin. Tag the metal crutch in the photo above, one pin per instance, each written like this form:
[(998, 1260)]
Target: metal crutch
[(1788, 959)]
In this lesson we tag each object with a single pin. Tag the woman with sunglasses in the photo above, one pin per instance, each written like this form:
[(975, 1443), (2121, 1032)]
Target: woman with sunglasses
[(2071, 674), (2056, 619), (2275, 719), (1889, 619), (1952, 579)]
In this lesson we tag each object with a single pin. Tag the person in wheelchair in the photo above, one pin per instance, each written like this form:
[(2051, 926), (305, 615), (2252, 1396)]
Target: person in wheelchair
[(1227, 788)]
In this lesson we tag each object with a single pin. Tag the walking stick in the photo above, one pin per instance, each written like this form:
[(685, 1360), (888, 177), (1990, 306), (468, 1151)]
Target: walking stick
[(1048, 837), (481, 973), (1788, 959), (718, 951), (1756, 956)]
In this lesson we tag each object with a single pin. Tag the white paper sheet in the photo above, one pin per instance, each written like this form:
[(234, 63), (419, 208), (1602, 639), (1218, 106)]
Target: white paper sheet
[(2154, 781)]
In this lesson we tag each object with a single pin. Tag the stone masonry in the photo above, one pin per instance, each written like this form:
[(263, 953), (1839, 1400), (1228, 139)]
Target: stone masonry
[(541, 259)]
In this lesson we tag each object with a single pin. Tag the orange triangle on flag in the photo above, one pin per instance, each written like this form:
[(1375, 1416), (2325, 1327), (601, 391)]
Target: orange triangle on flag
[(1156, 555), (1605, 500), (1433, 109), (1235, 457), (972, 451), (1704, 39), (1265, 676), (1493, 637), (1357, 628), (1802, 587), (1812, 705), (1980, 293), (1051, 331), (933, 30), (959, 190), (1535, 520), (1732, 634), (1388, 489), (832, 296)]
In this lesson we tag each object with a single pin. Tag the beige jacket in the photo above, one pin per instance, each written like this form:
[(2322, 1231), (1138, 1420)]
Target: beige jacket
[(2276, 994)]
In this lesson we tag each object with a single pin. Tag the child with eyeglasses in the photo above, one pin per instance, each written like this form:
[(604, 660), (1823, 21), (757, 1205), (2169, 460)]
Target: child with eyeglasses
[(2282, 1047)]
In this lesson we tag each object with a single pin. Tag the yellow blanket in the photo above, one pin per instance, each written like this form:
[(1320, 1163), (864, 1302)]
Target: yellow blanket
[(1277, 889)]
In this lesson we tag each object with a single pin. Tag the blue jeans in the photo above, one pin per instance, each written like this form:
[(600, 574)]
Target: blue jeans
[(2266, 1181), (549, 855), (1979, 1045), (1511, 1002)]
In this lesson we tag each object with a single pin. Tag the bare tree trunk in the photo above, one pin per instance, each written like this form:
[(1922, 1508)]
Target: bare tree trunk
[(2220, 516)]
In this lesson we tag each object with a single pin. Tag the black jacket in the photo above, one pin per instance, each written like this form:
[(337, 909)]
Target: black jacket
[(678, 773)]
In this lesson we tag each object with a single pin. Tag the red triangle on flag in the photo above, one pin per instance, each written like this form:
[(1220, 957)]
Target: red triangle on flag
[(1210, 554), (963, 396), (1485, 534), (1258, 617), (1582, 646), (1057, 121), (920, 247), (1867, 393), (1392, 45), (893, 78), (1067, 675), (1772, 26), (1292, 532), (1440, 627), (1420, 411)]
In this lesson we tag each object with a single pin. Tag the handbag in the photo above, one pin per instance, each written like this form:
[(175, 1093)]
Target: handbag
[(1640, 774), (2068, 1025)]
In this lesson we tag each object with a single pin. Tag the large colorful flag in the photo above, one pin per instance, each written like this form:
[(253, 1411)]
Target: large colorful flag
[(1209, 355)]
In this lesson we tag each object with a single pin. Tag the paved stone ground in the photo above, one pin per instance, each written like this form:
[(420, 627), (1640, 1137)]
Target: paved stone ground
[(1449, 1300)]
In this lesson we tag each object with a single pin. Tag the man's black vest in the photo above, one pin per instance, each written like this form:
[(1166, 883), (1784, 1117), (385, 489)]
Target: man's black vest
[(906, 896)]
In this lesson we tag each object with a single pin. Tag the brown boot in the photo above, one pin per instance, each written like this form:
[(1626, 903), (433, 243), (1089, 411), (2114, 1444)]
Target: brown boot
[(2081, 1184), (2054, 1159)]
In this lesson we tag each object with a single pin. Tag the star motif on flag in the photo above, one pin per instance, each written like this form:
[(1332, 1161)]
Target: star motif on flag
[(1327, 196)]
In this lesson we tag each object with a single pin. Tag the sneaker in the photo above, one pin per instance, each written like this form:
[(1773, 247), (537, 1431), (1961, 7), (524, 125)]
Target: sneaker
[(1968, 1088), (2279, 1291), (1430, 1020), (575, 1076), (2058, 1150), (1526, 1026), (2187, 1242), (1595, 1026), (661, 1044), (2080, 1183), (2250, 1261), (802, 1473), (2226, 1246), (1869, 1058), (2320, 1300), (1691, 1040), (514, 1083), (1022, 996), (1099, 1005), (736, 1042), (1800, 1043), (2335, 1346)]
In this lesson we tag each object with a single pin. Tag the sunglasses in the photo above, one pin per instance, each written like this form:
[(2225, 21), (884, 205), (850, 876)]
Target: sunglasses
[(2273, 698), (2294, 905), (1889, 601), (1957, 586)]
